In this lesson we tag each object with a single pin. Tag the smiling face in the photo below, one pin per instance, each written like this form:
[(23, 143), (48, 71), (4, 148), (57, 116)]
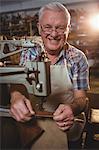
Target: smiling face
[(53, 30)]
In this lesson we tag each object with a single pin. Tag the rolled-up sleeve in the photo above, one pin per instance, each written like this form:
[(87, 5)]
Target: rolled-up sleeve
[(81, 73)]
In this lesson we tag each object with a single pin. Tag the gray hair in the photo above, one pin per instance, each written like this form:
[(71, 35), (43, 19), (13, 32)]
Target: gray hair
[(55, 6)]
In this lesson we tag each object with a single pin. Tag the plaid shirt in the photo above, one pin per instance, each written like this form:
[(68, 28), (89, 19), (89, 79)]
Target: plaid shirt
[(76, 63)]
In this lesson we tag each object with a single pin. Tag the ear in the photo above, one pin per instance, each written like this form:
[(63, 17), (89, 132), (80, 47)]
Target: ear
[(39, 28), (69, 27)]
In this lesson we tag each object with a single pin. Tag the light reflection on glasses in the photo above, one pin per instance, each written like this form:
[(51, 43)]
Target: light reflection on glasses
[(47, 29)]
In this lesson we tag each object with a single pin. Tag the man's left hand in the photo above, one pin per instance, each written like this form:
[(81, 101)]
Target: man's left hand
[(64, 117)]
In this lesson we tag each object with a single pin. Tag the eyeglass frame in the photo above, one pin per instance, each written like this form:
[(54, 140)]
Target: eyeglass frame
[(49, 29)]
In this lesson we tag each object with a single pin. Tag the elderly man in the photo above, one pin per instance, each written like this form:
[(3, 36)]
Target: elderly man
[(69, 80)]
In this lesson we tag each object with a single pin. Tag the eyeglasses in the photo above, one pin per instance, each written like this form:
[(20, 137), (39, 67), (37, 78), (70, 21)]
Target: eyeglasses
[(47, 29)]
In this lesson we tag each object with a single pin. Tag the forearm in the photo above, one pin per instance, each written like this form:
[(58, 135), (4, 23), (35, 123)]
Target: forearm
[(18, 89), (79, 105)]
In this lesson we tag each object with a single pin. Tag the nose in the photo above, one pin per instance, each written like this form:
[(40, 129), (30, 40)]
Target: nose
[(54, 32)]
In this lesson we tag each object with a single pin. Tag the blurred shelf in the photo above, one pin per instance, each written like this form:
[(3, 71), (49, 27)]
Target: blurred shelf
[(94, 85)]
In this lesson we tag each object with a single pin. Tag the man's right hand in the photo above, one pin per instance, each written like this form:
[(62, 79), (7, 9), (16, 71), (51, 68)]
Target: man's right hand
[(21, 109)]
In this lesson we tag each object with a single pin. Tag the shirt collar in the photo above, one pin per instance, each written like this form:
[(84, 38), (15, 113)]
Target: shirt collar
[(64, 51)]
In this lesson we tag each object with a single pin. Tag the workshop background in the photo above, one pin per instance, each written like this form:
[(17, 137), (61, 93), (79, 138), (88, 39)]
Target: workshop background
[(18, 19)]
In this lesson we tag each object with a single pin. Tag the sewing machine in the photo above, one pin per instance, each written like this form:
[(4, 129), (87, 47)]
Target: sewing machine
[(35, 76)]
